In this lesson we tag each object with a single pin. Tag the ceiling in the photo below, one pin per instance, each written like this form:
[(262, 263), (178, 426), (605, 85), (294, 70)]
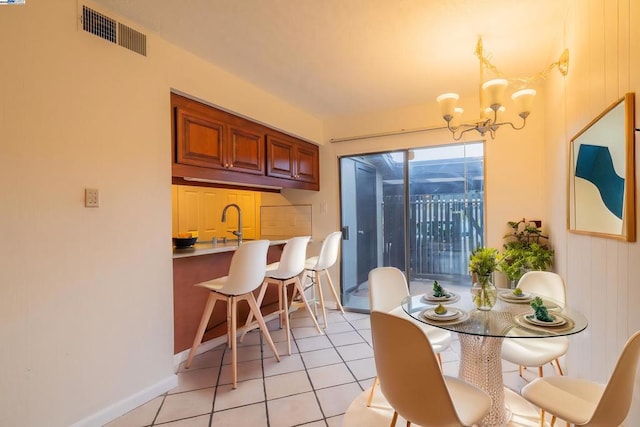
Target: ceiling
[(341, 57)]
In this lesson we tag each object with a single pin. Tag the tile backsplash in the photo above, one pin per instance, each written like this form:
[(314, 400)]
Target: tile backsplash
[(284, 222)]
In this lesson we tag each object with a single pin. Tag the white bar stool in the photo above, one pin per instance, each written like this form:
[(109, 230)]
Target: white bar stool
[(320, 264), (246, 274), (284, 273)]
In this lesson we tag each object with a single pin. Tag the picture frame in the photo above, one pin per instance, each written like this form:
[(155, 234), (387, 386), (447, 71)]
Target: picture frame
[(601, 182)]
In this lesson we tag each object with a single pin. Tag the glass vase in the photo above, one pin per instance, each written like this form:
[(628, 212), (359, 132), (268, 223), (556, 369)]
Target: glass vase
[(484, 293)]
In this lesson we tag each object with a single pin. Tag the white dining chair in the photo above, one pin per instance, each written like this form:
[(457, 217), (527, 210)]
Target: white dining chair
[(319, 265), (387, 288), (412, 382), (246, 274), (537, 352), (585, 403)]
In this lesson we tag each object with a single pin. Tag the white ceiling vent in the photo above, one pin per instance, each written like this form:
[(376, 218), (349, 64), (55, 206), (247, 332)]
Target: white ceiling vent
[(111, 30)]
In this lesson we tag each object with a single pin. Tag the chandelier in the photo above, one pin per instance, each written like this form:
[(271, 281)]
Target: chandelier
[(491, 97)]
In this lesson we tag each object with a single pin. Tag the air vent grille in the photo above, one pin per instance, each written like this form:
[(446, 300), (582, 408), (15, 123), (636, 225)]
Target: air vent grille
[(132, 39), (115, 32)]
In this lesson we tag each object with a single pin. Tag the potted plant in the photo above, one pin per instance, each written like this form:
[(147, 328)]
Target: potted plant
[(482, 263), (526, 249)]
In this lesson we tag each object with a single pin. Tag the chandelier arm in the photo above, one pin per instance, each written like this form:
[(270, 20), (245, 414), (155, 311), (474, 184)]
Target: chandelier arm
[(524, 122)]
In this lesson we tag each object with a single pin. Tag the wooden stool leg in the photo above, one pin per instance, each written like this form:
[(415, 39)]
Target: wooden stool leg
[(263, 326), (247, 324), (234, 325), (228, 323), (373, 389), (321, 298), (204, 321), (285, 316), (394, 419), (306, 304), (333, 291)]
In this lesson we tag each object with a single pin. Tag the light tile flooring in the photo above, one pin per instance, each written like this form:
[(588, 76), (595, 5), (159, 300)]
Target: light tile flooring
[(313, 387)]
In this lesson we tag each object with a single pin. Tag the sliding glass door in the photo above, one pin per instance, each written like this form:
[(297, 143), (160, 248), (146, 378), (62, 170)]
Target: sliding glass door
[(419, 210)]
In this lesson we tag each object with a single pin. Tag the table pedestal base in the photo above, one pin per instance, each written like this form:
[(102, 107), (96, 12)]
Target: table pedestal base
[(379, 414), (481, 365)]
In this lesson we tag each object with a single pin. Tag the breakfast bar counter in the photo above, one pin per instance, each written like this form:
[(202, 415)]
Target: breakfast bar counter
[(200, 263)]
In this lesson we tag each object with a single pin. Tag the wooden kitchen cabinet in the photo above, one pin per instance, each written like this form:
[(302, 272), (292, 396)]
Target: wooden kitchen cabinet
[(292, 159), (211, 138), (216, 147)]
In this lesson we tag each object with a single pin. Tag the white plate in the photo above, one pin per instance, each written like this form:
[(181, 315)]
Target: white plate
[(429, 297), (451, 314), (510, 297), (557, 320)]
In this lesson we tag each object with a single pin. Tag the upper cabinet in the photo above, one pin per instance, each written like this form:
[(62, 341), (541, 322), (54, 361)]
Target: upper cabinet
[(290, 159), (211, 138), (211, 145)]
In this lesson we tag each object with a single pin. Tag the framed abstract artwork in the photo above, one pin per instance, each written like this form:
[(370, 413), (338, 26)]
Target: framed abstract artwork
[(601, 169)]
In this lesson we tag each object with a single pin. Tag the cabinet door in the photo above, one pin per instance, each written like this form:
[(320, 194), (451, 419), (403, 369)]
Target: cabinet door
[(280, 157), (200, 139), (246, 150), (307, 163), (247, 202), (198, 210)]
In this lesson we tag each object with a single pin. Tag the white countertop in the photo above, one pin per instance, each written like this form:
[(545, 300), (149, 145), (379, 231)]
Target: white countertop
[(205, 248)]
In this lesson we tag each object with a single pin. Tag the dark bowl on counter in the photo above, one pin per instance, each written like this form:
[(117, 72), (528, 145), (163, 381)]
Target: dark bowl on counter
[(184, 242)]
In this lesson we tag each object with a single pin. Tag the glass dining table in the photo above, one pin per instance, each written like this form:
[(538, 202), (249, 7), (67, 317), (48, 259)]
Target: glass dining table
[(481, 334)]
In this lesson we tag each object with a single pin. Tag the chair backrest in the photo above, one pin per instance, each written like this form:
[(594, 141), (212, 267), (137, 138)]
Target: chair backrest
[(248, 265), (409, 374), (544, 283), (292, 259), (615, 402), (329, 251), (387, 288)]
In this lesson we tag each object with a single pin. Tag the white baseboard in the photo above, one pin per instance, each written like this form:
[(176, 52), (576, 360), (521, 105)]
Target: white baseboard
[(120, 408)]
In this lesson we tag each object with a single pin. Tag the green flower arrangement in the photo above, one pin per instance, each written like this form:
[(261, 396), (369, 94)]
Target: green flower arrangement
[(483, 261)]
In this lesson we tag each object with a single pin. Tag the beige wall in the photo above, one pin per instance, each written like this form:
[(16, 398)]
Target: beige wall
[(603, 39), (86, 312), (86, 321)]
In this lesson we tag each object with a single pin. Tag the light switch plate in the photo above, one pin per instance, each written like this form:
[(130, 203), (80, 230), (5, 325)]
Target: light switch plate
[(91, 198)]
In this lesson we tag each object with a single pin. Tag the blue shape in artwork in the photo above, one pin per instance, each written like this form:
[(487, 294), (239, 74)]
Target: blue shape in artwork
[(596, 166)]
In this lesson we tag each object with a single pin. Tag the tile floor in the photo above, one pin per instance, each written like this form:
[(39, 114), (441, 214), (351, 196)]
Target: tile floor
[(313, 387)]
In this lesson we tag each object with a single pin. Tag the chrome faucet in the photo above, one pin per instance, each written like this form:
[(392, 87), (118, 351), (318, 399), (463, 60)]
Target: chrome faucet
[(237, 232)]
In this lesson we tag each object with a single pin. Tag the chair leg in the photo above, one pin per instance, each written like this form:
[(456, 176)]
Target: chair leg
[(540, 371), (306, 304), (520, 371), (321, 298), (247, 324), (373, 389), (558, 365), (285, 315), (408, 423), (394, 419), (542, 418), (333, 291), (253, 306), (228, 323), (439, 360), (553, 420), (204, 320), (234, 325)]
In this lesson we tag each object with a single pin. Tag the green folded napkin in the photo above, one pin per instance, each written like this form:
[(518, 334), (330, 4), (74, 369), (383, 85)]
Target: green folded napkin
[(541, 312)]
